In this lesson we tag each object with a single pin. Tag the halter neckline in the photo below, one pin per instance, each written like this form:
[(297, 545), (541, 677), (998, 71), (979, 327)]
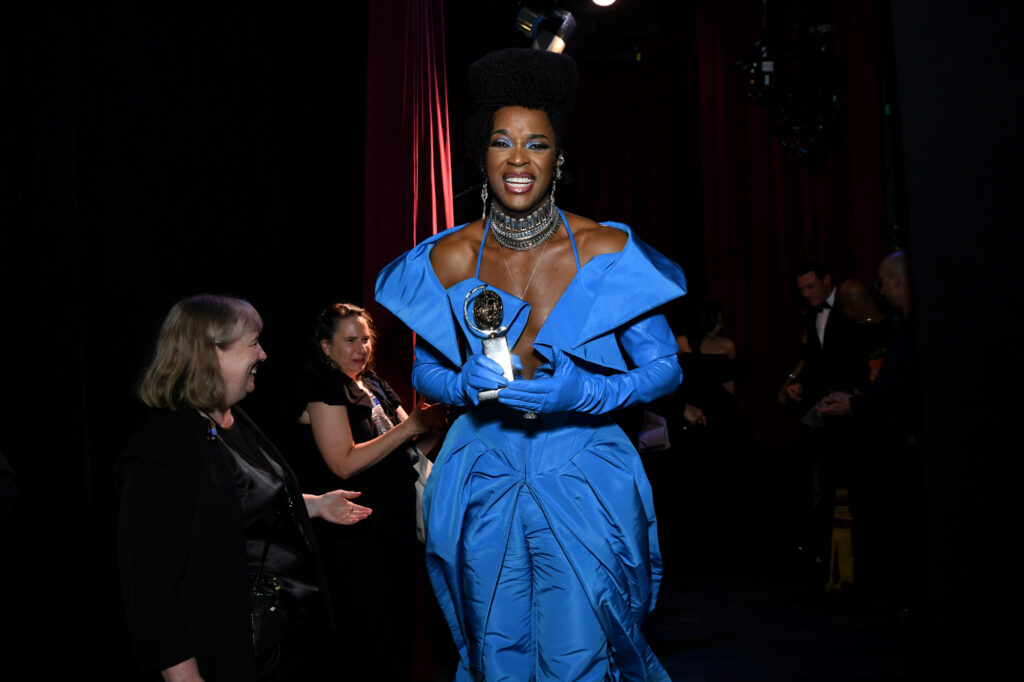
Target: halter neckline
[(487, 227)]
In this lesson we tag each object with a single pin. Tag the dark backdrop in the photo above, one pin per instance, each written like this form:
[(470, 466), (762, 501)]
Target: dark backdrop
[(959, 88), (149, 152)]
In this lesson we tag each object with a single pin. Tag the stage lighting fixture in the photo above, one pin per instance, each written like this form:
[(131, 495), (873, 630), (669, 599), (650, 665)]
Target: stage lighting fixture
[(604, 3), (758, 69), (549, 31)]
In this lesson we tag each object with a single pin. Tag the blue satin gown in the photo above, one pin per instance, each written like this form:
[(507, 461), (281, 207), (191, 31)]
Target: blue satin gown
[(542, 542)]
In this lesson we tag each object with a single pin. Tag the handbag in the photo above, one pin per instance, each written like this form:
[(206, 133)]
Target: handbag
[(653, 435), (423, 467), (278, 606)]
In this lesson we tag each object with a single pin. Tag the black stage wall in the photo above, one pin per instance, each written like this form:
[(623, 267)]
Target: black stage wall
[(959, 85), (149, 152)]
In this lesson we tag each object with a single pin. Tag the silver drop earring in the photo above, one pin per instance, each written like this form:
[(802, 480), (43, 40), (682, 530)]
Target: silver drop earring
[(483, 198), (557, 176)]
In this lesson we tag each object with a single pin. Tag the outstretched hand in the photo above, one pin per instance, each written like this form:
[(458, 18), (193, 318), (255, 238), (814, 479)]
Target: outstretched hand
[(336, 507)]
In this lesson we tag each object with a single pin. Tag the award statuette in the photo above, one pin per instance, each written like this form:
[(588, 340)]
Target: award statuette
[(486, 322)]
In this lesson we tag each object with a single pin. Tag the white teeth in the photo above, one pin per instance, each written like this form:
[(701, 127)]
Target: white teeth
[(519, 181)]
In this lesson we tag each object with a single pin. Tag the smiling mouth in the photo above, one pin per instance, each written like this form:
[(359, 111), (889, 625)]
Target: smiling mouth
[(519, 183)]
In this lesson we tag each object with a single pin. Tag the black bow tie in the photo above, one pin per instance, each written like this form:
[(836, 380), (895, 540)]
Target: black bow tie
[(824, 306)]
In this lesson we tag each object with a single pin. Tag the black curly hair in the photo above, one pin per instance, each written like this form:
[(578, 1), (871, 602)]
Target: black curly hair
[(523, 77)]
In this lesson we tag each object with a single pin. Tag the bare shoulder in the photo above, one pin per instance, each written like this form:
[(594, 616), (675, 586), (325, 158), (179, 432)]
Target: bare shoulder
[(729, 346), (719, 345), (683, 343), (454, 256), (595, 239)]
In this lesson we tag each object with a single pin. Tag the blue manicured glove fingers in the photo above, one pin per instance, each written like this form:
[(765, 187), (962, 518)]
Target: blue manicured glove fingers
[(480, 373), (561, 386), (571, 389), (457, 387), (562, 391), (434, 377)]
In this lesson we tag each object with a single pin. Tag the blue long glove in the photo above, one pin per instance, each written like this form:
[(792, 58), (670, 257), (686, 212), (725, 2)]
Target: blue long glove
[(571, 389), (434, 377), (649, 343)]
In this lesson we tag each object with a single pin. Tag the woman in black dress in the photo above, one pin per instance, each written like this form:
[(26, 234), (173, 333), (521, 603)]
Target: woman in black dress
[(709, 367), (362, 434), (717, 448)]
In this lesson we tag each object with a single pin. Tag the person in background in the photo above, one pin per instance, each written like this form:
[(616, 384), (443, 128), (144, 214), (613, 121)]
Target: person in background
[(710, 366), (887, 416), (824, 346), (711, 452), (873, 331), (888, 399), (827, 361), (361, 434)]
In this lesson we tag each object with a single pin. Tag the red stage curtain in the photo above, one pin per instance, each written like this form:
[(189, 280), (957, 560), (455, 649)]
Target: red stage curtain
[(670, 143), (764, 210), (408, 194)]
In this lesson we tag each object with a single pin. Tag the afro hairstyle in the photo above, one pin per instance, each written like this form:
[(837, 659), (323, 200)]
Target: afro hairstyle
[(525, 77)]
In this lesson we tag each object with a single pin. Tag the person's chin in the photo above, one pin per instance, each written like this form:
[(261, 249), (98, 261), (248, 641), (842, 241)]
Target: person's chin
[(520, 204)]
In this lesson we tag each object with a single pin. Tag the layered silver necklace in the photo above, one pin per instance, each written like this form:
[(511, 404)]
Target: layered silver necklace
[(523, 234)]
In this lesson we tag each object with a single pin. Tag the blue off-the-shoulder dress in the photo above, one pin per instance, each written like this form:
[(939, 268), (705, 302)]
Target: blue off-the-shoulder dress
[(542, 542)]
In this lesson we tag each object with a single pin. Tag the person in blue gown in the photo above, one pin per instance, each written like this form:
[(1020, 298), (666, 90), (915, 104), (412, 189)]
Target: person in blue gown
[(542, 542)]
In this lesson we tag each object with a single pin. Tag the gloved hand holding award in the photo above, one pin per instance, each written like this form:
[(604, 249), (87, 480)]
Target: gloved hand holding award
[(486, 322)]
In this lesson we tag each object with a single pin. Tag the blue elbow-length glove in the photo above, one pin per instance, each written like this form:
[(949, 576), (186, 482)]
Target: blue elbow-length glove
[(571, 389), (435, 378)]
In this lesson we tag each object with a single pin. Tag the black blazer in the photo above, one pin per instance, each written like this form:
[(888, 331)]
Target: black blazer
[(891, 406), (181, 547), (834, 365)]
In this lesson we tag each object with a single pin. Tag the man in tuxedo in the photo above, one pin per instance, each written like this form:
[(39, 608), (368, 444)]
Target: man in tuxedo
[(827, 361)]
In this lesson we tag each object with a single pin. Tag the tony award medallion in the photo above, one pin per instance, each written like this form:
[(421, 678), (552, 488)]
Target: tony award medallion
[(486, 322)]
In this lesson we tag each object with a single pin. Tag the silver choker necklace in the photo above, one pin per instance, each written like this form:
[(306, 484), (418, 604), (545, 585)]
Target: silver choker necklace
[(522, 234)]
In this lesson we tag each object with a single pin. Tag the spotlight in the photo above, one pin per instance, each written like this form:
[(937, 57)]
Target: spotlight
[(604, 3), (549, 31)]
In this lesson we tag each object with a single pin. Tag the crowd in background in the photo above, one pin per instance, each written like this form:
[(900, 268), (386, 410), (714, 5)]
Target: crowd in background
[(855, 475)]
